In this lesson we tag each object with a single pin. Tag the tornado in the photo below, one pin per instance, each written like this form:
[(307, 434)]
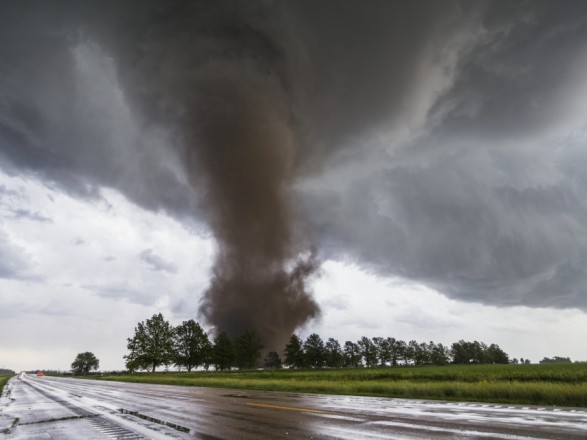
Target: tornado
[(240, 150), (223, 78), (240, 153)]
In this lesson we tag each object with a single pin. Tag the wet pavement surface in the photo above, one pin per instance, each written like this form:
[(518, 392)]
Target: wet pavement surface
[(63, 408)]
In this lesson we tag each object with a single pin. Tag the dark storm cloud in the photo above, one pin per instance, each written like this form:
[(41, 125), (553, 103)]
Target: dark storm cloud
[(486, 202), (437, 141), (156, 262), (63, 117)]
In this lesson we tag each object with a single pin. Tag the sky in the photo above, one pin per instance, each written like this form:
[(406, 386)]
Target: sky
[(381, 168)]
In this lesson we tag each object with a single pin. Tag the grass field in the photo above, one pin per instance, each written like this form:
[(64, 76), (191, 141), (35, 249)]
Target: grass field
[(3, 380), (560, 385)]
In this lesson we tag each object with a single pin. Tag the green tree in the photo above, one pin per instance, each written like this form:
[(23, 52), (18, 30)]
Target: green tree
[(464, 352), (151, 346), (334, 354), (439, 354), (396, 350), (247, 348), (368, 351), (294, 353), (84, 363), (314, 351), (208, 356), (480, 350), (409, 352), (477, 353), (495, 355), (556, 360), (272, 360), (383, 347), (352, 355), (191, 345), (460, 352), (223, 352), (422, 353), (132, 364), (417, 352)]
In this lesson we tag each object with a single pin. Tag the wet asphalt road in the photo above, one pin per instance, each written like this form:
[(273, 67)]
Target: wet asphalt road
[(47, 407)]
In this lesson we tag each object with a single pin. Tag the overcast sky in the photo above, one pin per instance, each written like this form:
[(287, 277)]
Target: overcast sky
[(432, 155)]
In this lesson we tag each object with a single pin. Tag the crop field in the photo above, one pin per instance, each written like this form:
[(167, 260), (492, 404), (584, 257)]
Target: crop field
[(560, 385), (3, 380)]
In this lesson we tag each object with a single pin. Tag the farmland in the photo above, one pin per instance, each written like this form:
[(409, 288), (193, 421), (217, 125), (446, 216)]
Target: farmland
[(3, 380), (553, 385)]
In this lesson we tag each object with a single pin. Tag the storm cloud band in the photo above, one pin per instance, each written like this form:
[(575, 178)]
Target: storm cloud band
[(441, 142)]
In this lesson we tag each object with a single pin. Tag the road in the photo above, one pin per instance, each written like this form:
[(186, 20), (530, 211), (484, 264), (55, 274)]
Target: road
[(64, 408)]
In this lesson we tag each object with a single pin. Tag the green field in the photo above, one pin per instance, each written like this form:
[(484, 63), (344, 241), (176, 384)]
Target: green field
[(3, 380), (560, 385)]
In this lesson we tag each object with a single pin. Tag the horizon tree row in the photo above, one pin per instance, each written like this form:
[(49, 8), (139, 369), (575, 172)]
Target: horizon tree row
[(157, 343), (378, 351)]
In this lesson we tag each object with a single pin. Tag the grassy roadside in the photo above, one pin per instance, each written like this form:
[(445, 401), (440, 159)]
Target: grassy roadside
[(560, 385), (3, 380)]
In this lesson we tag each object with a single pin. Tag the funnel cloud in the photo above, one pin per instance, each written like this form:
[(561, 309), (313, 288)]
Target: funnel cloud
[(226, 89), (240, 152)]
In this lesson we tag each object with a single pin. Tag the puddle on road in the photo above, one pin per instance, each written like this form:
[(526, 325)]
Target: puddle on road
[(237, 396)]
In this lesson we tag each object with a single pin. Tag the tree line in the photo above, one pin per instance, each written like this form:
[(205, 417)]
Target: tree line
[(157, 343), (379, 351)]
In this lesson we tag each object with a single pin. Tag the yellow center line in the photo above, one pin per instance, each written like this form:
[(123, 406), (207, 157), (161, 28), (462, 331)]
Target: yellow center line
[(287, 408)]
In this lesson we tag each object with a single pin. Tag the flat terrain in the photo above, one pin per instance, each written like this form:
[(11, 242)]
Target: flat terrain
[(65, 408), (551, 384)]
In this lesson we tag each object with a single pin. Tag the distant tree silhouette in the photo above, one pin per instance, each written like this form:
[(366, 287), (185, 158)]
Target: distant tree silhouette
[(247, 349), (390, 351), (495, 355), (314, 350), (191, 345), (84, 363), (272, 360), (398, 351), (294, 353), (383, 349), (439, 354), (151, 346), (333, 354), (368, 351), (556, 360), (352, 355), (223, 352)]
